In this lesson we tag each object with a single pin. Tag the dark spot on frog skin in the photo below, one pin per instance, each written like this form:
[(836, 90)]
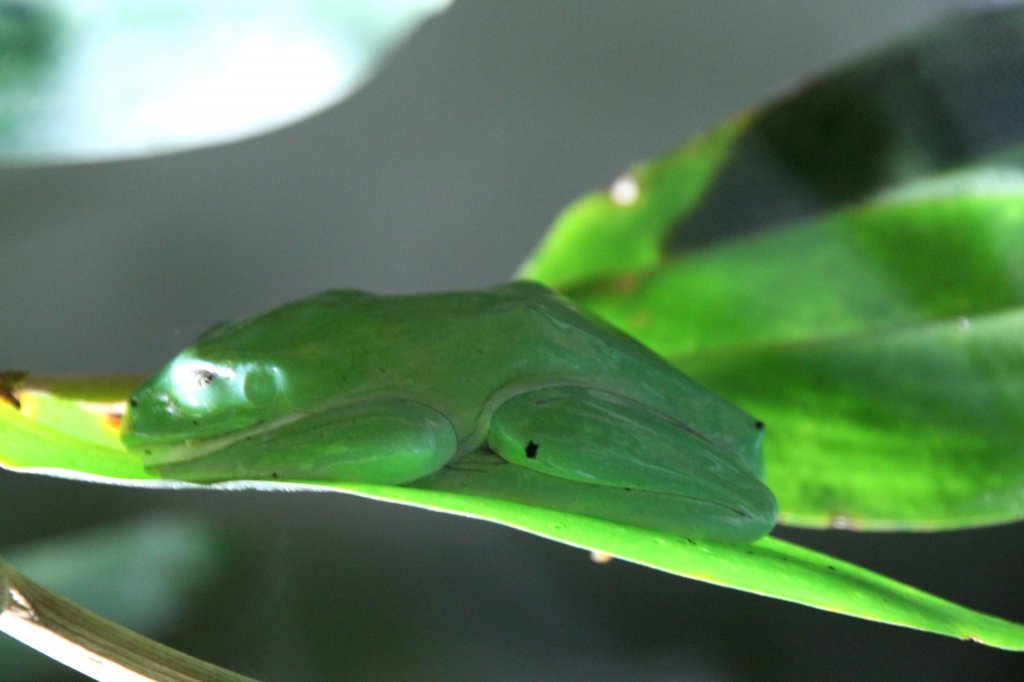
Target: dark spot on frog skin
[(759, 425), (531, 450), (273, 474), (133, 402)]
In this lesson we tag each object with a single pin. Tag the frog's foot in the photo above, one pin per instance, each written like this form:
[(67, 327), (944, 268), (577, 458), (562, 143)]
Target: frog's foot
[(600, 438), (386, 441)]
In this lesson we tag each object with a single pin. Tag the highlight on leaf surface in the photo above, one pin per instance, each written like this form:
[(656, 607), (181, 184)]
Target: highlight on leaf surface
[(72, 435)]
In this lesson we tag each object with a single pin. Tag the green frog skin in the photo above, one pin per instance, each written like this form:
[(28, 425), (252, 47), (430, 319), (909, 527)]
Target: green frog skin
[(348, 386)]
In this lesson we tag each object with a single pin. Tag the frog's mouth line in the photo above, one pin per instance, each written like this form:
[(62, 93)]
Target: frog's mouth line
[(156, 452)]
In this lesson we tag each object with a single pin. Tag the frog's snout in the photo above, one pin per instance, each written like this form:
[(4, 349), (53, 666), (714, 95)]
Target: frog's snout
[(151, 415)]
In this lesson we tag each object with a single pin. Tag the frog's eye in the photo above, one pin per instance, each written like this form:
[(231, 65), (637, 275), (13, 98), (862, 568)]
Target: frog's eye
[(262, 385)]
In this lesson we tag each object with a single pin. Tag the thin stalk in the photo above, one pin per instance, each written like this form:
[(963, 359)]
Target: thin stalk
[(93, 646)]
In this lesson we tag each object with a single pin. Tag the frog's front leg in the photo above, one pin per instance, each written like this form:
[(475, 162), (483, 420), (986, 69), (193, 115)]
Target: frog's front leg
[(386, 441), (600, 438)]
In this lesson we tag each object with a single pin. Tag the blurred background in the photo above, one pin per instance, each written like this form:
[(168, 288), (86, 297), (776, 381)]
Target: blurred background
[(443, 173)]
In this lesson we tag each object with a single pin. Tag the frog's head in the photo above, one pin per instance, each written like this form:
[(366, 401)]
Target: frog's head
[(238, 378), (197, 401)]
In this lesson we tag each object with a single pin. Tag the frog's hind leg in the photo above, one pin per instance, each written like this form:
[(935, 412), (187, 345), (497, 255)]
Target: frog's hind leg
[(600, 438), (386, 441)]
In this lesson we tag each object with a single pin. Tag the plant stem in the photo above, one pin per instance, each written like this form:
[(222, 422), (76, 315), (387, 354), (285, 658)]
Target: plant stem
[(94, 646)]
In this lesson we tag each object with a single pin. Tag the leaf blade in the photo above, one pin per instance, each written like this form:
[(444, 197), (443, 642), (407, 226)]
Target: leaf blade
[(769, 567), (781, 254)]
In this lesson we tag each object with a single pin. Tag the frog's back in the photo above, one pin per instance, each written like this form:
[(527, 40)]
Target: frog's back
[(459, 352), (571, 346)]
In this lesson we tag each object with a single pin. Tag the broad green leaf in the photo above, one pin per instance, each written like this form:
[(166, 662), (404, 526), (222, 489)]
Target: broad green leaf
[(52, 434), (850, 271), (881, 345), (942, 249), (107, 79), (949, 97), (141, 574), (918, 427)]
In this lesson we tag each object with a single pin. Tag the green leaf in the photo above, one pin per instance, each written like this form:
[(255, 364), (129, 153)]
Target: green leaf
[(142, 574), (45, 432), (941, 249), (949, 97), (851, 271), (120, 78), (910, 428)]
